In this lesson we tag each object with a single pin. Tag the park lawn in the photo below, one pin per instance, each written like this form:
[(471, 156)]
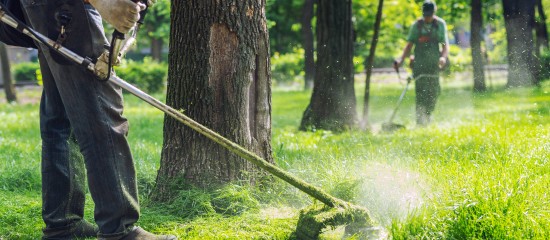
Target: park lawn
[(479, 171)]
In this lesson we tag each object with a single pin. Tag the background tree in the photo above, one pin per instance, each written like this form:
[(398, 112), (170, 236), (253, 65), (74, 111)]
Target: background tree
[(220, 77), (522, 66), (157, 25), (541, 28), (476, 25), (332, 105), (308, 42), (9, 88), (370, 62), (453, 11), (284, 24), (394, 31), (288, 61)]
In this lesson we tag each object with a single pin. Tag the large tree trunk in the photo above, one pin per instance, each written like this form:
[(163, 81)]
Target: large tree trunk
[(307, 34), (9, 88), (518, 16), (370, 62), (476, 25), (219, 76), (332, 105)]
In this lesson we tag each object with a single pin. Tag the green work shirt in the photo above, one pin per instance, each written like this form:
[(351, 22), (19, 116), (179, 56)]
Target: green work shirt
[(427, 38)]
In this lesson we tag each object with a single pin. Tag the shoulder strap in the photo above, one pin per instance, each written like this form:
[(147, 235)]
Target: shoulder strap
[(435, 23), (420, 24)]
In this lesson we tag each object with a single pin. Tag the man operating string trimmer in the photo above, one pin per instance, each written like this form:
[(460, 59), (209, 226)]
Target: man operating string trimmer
[(75, 104), (312, 221), (426, 34)]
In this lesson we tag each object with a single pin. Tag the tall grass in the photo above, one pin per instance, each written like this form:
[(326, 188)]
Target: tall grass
[(479, 171)]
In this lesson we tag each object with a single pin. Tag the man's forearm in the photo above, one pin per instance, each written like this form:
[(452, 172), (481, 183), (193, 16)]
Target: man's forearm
[(445, 51), (407, 50)]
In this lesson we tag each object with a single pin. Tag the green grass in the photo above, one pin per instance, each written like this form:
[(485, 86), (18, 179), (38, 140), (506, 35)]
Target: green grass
[(480, 171)]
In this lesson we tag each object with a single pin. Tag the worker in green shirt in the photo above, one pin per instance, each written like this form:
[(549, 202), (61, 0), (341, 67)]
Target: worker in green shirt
[(426, 34)]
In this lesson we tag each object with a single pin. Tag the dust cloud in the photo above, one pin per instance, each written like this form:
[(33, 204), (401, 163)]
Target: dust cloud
[(391, 192)]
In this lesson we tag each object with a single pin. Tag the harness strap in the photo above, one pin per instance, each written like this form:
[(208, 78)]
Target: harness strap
[(425, 38)]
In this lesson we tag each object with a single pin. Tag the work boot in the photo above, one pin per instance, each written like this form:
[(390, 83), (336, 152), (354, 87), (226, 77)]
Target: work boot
[(139, 234), (79, 230)]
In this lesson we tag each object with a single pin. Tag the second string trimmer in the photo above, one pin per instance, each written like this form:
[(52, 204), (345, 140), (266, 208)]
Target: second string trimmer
[(389, 126)]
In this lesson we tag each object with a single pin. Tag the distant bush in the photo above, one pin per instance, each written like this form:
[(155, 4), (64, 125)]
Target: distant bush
[(358, 64), (287, 68), (459, 59), (149, 76), (26, 71)]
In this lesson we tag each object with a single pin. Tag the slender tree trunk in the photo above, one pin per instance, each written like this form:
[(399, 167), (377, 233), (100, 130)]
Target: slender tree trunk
[(309, 51), (333, 105), (156, 49), (476, 25), (518, 15), (541, 28), (541, 42), (218, 75), (370, 62), (9, 88)]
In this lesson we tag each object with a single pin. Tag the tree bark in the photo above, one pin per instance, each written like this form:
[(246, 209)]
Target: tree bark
[(333, 105), (522, 66), (370, 62), (309, 51), (476, 25), (9, 87), (218, 75)]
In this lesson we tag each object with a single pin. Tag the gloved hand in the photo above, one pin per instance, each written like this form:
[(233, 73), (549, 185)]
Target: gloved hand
[(442, 62), (122, 14), (397, 62)]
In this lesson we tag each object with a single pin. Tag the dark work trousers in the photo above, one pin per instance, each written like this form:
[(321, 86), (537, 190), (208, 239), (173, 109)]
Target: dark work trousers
[(427, 90), (426, 76), (75, 102)]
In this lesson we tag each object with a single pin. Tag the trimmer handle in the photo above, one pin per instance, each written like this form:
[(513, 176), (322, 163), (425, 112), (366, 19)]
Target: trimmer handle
[(117, 46), (396, 67)]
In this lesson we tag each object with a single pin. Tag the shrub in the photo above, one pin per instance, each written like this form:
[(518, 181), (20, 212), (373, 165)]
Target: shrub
[(26, 71), (358, 64), (459, 58), (287, 68), (150, 76)]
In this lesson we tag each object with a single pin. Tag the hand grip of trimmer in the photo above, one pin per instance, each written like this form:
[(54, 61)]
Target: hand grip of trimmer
[(142, 13), (118, 38), (396, 67)]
